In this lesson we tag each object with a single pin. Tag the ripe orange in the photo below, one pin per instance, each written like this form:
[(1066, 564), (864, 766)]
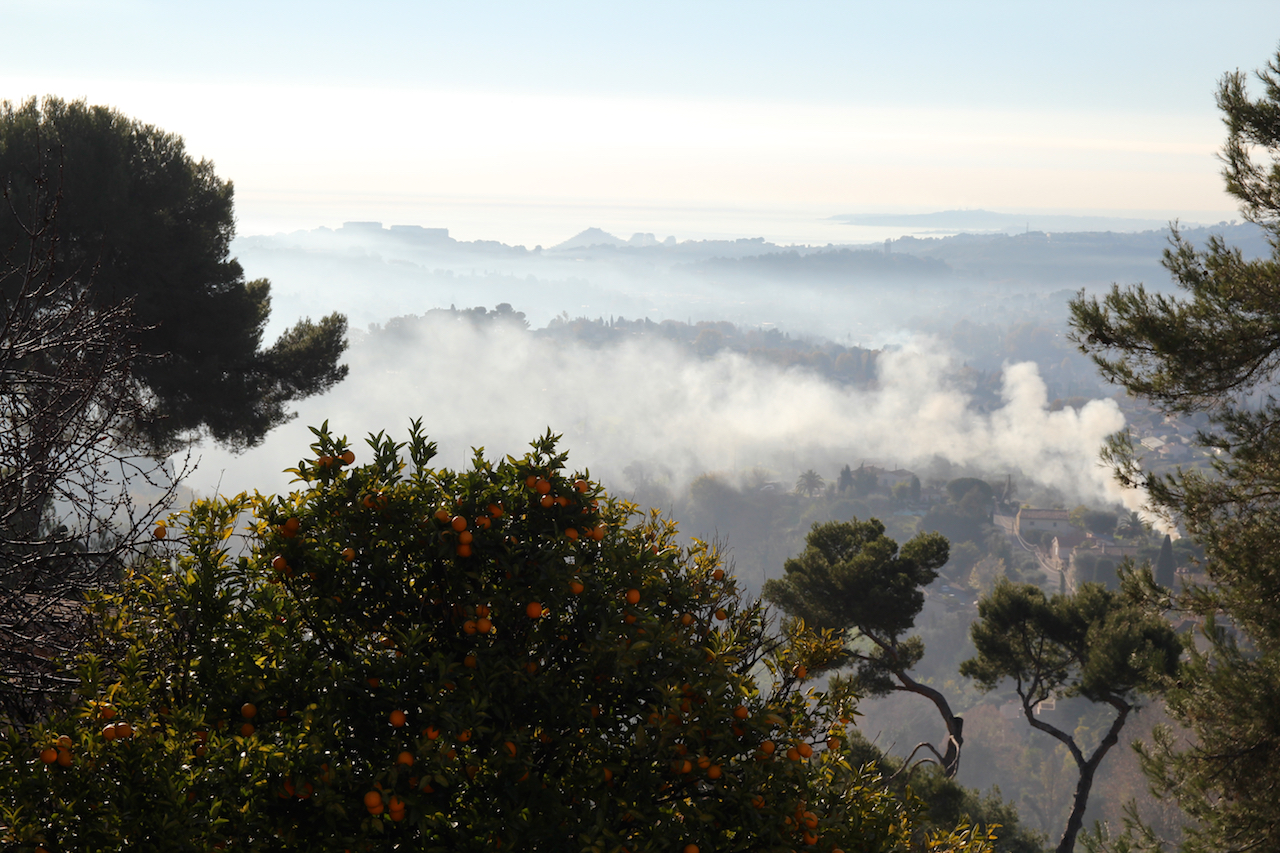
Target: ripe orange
[(431, 732), (547, 502), (597, 532), (107, 712), (571, 532), (483, 522), (160, 532), (64, 741), (405, 757), (741, 712), (469, 627), (531, 481), (124, 731), (691, 848), (633, 596), (562, 501), (714, 771), (768, 747), (348, 554), (464, 735), (465, 537), (291, 527), (372, 800), (109, 731), (576, 587), (721, 614), (495, 510), (533, 609), (442, 516), (247, 729), (793, 754), (64, 758), (510, 748), (717, 575), (483, 626), (280, 564), (469, 661), (458, 523), (800, 671), (686, 619), (248, 710), (482, 610), (464, 550), (542, 487), (833, 743), (581, 485), (757, 801), (805, 750), (348, 457), (397, 718), (48, 755)]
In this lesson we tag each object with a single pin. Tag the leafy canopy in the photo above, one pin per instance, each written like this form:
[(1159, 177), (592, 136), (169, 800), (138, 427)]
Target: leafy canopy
[(402, 657), (139, 219)]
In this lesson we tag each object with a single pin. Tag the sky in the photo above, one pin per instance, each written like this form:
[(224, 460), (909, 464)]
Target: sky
[(527, 123)]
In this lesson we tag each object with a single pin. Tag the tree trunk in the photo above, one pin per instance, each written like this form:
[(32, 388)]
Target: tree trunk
[(955, 725)]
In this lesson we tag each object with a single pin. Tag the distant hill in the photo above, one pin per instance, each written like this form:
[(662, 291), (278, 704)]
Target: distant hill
[(599, 237), (988, 220)]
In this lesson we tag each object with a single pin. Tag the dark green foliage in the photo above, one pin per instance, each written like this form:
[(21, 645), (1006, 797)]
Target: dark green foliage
[(1166, 565), (1097, 644), (854, 579), (1215, 350), (139, 218), (947, 802)]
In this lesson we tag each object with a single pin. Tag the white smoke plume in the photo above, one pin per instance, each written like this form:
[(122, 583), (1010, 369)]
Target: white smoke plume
[(650, 401)]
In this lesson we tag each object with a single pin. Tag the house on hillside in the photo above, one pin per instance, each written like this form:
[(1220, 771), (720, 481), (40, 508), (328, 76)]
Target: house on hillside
[(1031, 523)]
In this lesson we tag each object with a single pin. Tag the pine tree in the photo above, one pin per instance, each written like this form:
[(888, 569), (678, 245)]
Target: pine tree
[(1216, 349)]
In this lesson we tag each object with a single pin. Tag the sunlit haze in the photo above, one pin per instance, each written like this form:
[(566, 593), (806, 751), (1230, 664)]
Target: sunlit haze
[(527, 124)]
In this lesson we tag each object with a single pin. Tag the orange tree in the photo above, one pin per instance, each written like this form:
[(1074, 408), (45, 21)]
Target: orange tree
[(401, 657)]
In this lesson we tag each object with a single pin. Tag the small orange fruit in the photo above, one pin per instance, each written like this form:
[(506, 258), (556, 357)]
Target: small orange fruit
[(431, 732), (248, 710), (721, 614), (571, 532), (483, 625), (372, 799), (405, 757), (465, 537), (160, 532), (533, 610), (64, 758), (348, 457), (542, 486), (469, 661), (741, 712), (805, 750), (64, 741), (717, 575), (576, 587), (633, 596), (397, 718), (348, 554), (458, 523), (464, 550), (581, 485), (546, 502), (247, 729), (49, 755)]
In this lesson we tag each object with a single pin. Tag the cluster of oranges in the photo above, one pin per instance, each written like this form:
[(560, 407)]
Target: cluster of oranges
[(59, 753)]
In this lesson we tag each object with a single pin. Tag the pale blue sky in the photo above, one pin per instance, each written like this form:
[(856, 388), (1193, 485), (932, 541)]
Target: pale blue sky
[(529, 117)]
